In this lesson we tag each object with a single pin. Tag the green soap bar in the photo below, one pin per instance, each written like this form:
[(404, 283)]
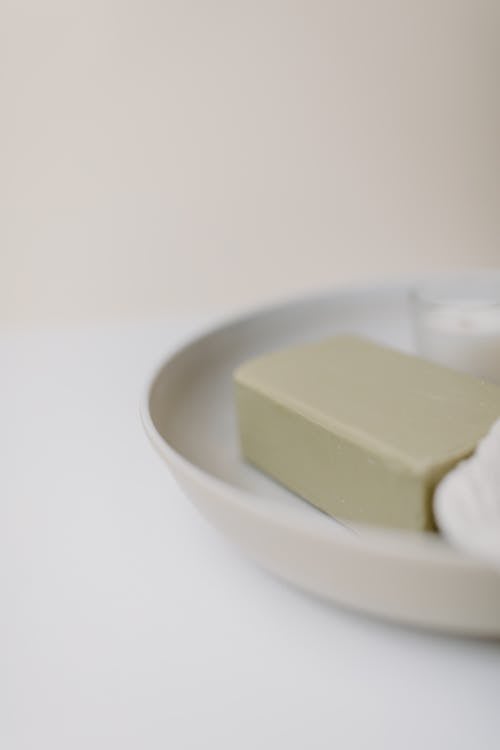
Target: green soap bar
[(362, 431)]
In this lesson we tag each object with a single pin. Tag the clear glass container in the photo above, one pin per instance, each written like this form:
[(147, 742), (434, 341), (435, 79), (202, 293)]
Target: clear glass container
[(457, 322)]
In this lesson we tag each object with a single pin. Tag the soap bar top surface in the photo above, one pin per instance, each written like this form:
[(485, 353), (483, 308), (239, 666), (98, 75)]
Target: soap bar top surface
[(421, 414)]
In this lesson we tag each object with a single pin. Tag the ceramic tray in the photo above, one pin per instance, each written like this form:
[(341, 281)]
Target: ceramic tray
[(188, 413)]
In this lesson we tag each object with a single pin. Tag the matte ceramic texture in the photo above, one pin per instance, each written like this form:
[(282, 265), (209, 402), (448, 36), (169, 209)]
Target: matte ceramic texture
[(188, 413)]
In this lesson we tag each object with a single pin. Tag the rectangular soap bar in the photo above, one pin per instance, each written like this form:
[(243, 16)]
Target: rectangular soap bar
[(362, 431)]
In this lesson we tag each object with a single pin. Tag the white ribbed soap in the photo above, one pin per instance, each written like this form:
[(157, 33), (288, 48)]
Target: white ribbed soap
[(467, 501)]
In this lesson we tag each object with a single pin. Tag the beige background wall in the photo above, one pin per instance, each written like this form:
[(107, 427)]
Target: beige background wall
[(174, 155)]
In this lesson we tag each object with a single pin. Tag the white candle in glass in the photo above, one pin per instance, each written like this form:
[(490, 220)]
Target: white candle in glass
[(460, 327)]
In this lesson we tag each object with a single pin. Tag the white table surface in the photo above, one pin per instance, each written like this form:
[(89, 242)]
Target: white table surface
[(128, 622)]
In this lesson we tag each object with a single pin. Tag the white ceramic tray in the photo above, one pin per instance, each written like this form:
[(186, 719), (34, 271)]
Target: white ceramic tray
[(188, 414)]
